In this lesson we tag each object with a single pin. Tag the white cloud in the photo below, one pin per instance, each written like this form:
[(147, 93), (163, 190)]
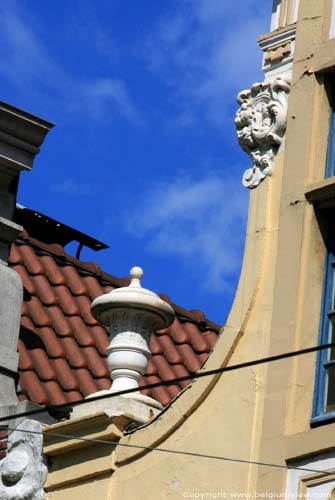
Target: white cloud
[(82, 27), (206, 52), (71, 187), (23, 59), (100, 93), (201, 222), (26, 62)]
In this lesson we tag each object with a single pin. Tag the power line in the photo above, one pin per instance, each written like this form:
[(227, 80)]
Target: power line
[(191, 376), (177, 452)]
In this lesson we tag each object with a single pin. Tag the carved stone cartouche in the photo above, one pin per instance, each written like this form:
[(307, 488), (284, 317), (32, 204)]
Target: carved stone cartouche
[(261, 124)]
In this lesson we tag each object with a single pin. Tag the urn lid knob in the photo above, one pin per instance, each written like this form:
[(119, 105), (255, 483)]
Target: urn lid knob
[(136, 274)]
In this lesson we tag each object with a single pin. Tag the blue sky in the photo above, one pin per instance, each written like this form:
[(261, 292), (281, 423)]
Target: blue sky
[(144, 154)]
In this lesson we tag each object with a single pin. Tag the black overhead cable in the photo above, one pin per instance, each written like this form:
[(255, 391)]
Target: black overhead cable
[(177, 452), (191, 376)]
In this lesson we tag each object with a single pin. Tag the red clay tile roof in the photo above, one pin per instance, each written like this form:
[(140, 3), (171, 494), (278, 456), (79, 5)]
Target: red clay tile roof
[(62, 347)]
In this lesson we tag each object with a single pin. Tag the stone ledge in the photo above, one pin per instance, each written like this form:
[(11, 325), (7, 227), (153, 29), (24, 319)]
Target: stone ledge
[(322, 193), (21, 407), (70, 435), (103, 420), (136, 411), (72, 456)]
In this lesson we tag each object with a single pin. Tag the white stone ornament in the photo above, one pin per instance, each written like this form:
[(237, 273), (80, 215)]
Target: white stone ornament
[(132, 313), (22, 471), (261, 124)]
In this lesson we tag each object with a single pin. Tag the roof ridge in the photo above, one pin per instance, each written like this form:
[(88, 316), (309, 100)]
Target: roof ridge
[(195, 316), (55, 250)]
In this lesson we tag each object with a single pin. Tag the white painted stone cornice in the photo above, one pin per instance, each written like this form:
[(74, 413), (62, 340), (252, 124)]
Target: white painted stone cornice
[(278, 48), (21, 135), (22, 471), (261, 124)]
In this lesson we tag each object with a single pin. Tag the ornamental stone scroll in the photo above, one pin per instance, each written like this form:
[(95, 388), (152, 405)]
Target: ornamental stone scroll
[(261, 124)]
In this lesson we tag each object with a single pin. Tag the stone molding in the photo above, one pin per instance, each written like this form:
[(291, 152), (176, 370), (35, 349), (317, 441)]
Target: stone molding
[(105, 419), (22, 471), (21, 135), (278, 48), (261, 124)]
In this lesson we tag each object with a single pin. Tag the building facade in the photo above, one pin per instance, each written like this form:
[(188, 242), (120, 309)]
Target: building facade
[(267, 430)]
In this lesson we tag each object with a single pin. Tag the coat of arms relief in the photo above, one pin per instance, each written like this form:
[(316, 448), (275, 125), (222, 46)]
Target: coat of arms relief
[(261, 124)]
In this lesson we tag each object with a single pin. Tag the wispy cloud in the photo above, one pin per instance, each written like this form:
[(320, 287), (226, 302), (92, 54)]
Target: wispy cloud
[(27, 61), (84, 28), (201, 222), (203, 58), (100, 93), (72, 187), (24, 59)]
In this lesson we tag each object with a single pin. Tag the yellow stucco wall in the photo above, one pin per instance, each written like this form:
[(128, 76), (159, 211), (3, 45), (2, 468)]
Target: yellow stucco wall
[(93, 488)]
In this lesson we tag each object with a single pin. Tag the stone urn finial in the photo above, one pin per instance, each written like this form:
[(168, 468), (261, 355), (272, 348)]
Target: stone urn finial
[(132, 313)]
